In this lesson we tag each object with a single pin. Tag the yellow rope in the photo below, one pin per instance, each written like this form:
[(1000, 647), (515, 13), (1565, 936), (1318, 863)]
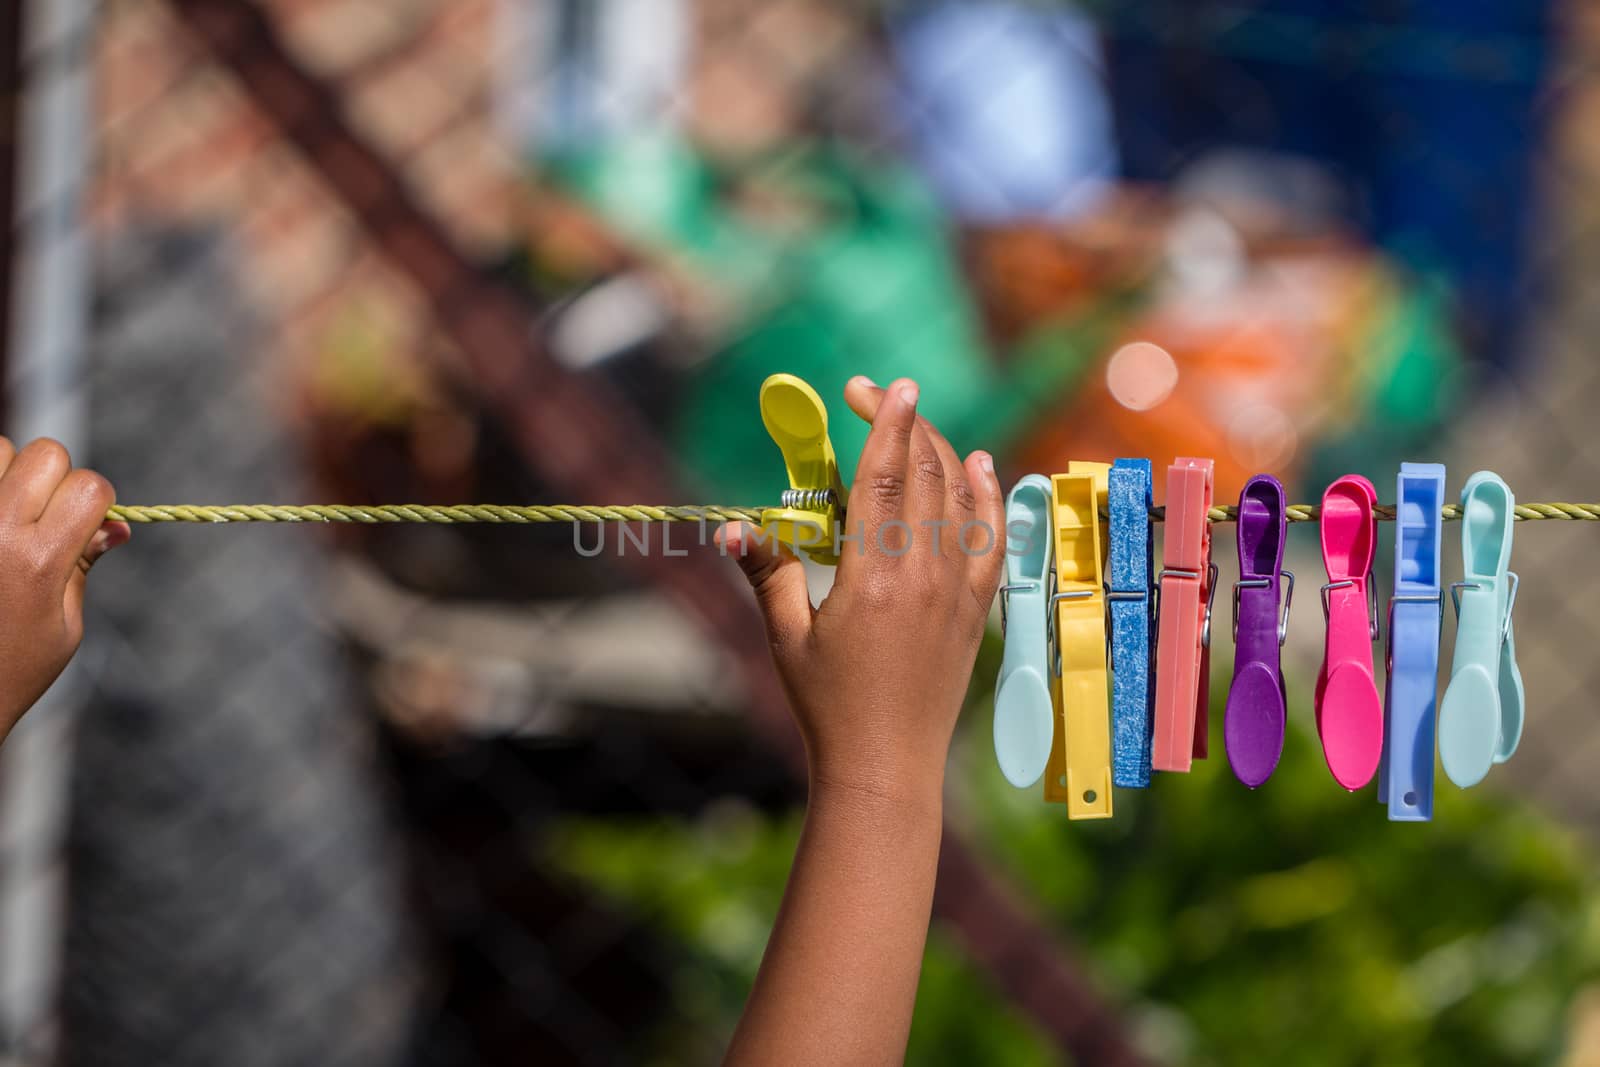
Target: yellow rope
[(439, 513), (570, 513)]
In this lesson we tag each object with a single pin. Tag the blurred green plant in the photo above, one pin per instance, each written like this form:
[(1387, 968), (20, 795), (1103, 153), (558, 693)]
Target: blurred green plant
[(1294, 924)]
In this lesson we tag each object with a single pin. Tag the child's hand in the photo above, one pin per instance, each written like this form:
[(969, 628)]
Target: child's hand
[(877, 674), (52, 529), (876, 677)]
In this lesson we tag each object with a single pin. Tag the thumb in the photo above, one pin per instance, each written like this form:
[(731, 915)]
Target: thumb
[(108, 536), (778, 579)]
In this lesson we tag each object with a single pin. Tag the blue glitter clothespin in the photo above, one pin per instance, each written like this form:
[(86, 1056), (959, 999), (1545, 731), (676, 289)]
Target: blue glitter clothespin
[(1132, 623)]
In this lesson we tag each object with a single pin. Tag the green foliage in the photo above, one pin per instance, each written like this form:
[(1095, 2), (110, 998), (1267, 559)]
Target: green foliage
[(715, 886), (1294, 924)]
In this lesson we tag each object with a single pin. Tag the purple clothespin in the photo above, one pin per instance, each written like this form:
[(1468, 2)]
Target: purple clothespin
[(1257, 710)]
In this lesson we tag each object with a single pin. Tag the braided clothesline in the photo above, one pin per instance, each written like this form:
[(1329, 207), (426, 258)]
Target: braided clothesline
[(570, 513), (435, 513)]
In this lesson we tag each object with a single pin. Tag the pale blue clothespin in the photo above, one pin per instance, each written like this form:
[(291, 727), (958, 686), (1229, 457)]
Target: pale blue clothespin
[(1024, 715), (1132, 623), (1480, 719), (1416, 613)]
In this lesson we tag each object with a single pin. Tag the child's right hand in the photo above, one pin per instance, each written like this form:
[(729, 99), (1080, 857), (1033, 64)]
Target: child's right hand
[(877, 674), (52, 529)]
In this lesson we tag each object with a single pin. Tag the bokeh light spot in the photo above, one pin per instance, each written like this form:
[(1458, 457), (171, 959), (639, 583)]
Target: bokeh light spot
[(1263, 437), (1141, 375)]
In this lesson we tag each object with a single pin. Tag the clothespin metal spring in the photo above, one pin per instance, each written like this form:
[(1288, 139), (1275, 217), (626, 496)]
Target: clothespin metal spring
[(1266, 583), (1372, 600), (1511, 600)]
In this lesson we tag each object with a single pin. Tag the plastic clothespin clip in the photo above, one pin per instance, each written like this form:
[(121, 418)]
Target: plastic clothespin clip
[(1416, 615), (1257, 710), (1349, 714), (1080, 768), (813, 506), (1188, 583), (1480, 719), (1133, 639), (1024, 711)]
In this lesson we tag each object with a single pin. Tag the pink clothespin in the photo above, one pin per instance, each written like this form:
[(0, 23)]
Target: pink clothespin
[(1188, 581), (1349, 713)]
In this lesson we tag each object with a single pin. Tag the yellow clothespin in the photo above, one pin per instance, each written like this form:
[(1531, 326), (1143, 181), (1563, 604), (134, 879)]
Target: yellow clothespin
[(1080, 760), (813, 506)]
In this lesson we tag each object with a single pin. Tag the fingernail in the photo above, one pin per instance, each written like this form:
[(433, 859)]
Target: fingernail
[(864, 380), (909, 393), (986, 462), (730, 538)]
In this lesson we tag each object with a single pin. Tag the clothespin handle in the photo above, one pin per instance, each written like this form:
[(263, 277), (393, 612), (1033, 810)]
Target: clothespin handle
[(1405, 777), (1256, 716), (1080, 769), (1480, 717), (1349, 714), (813, 506), (1024, 712), (1131, 577), (1187, 583)]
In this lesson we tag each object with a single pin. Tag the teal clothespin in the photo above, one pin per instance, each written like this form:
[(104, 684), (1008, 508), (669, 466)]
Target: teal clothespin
[(1024, 715), (1480, 718)]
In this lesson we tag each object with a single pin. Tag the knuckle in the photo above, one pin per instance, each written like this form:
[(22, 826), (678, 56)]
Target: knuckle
[(887, 488), (928, 468), (49, 449), (761, 573), (961, 493), (95, 487)]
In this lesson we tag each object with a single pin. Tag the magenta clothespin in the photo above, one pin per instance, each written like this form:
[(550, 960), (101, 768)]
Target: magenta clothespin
[(1349, 714), (1253, 725)]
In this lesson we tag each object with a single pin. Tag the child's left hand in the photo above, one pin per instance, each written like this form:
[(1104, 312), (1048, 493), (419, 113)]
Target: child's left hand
[(52, 529)]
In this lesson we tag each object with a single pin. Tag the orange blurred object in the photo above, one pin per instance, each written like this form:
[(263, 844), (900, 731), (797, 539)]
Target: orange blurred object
[(1246, 374)]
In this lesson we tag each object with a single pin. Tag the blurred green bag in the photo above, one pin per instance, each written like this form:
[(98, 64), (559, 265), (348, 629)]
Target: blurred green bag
[(833, 265)]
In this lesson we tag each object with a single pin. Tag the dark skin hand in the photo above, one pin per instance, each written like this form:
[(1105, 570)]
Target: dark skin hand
[(52, 530), (875, 677)]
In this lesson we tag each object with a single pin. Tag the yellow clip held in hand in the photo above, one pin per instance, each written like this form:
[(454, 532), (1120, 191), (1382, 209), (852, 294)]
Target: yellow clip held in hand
[(1080, 764), (813, 506)]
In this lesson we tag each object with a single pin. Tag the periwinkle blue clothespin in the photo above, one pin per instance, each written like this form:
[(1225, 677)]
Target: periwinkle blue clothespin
[(1132, 570), (1416, 612), (1480, 718), (1257, 712), (1024, 714)]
